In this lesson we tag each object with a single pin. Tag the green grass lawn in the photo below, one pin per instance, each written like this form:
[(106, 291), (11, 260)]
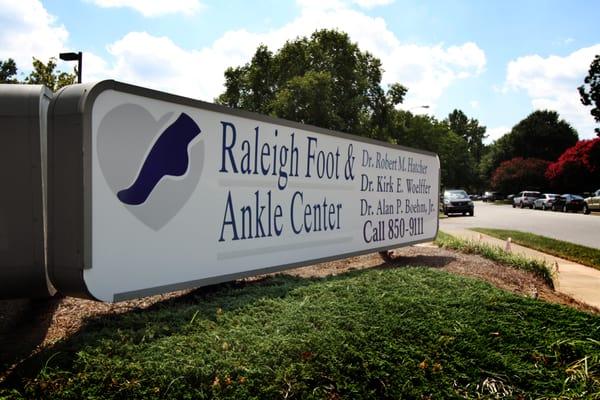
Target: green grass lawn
[(370, 334), (569, 251)]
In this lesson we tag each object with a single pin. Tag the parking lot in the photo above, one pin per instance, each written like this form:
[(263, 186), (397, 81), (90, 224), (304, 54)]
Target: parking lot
[(576, 228)]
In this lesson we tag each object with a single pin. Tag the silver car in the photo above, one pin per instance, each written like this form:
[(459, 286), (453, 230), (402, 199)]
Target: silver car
[(545, 202), (525, 199)]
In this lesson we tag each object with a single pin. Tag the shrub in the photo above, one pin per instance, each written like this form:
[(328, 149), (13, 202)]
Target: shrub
[(577, 169), (520, 173)]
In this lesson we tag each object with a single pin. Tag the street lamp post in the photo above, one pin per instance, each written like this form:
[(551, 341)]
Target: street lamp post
[(74, 57)]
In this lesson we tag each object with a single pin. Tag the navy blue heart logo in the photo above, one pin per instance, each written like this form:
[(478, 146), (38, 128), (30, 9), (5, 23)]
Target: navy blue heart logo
[(152, 165)]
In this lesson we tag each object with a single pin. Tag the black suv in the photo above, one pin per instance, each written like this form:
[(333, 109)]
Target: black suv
[(457, 201), (492, 196)]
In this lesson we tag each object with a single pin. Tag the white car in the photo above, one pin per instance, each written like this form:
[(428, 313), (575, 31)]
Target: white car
[(592, 203), (545, 201)]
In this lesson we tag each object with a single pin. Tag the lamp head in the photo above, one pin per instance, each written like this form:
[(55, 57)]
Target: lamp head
[(69, 56)]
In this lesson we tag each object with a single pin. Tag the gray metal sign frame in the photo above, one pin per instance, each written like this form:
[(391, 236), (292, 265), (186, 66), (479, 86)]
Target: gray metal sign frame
[(23, 117), (70, 180)]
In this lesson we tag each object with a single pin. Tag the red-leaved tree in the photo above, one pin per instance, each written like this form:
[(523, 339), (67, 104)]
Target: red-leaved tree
[(577, 169), (520, 173)]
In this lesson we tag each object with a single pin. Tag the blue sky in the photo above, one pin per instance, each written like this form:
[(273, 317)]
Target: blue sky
[(496, 60)]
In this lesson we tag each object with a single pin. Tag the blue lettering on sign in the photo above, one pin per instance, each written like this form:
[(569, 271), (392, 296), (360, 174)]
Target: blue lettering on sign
[(257, 153), (317, 217), (258, 158), (256, 220), (323, 163)]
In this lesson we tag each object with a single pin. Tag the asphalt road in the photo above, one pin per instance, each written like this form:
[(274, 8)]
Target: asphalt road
[(575, 228)]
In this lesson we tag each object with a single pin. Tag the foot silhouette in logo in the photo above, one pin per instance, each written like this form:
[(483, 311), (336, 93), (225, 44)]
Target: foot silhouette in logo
[(168, 156)]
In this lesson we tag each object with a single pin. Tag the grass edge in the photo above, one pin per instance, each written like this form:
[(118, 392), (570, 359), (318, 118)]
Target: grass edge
[(498, 254)]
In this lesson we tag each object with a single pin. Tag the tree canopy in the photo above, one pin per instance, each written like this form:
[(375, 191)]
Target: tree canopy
[(324, 80), (520, 173), (542, 135), (590, 90), (458, 167), (46, 74), (42, 74), (8, 71), (578, 168), (470, 130)]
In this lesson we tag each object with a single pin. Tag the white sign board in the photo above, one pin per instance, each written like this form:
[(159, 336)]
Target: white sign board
[(184, 193)]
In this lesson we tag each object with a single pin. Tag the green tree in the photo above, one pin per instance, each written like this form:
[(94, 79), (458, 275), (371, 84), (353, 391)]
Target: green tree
[(324, 80), (469, 129), (46, 74), (494, 154), (42, 74), (458, 168), (542, 135), (8, 71), (457, 165), (590, 90), (307, 99)]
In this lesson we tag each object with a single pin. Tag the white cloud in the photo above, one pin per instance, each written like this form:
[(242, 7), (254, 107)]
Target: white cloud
[(551, 83), (372, 3), (154, 8), (320, 4), (429, 70), (27, 30), (474, 104), (339, 4), (158, 62), (495, 133)]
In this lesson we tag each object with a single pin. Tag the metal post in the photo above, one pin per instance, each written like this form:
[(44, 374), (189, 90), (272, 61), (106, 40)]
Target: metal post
[(74, 57), (79, 66)]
